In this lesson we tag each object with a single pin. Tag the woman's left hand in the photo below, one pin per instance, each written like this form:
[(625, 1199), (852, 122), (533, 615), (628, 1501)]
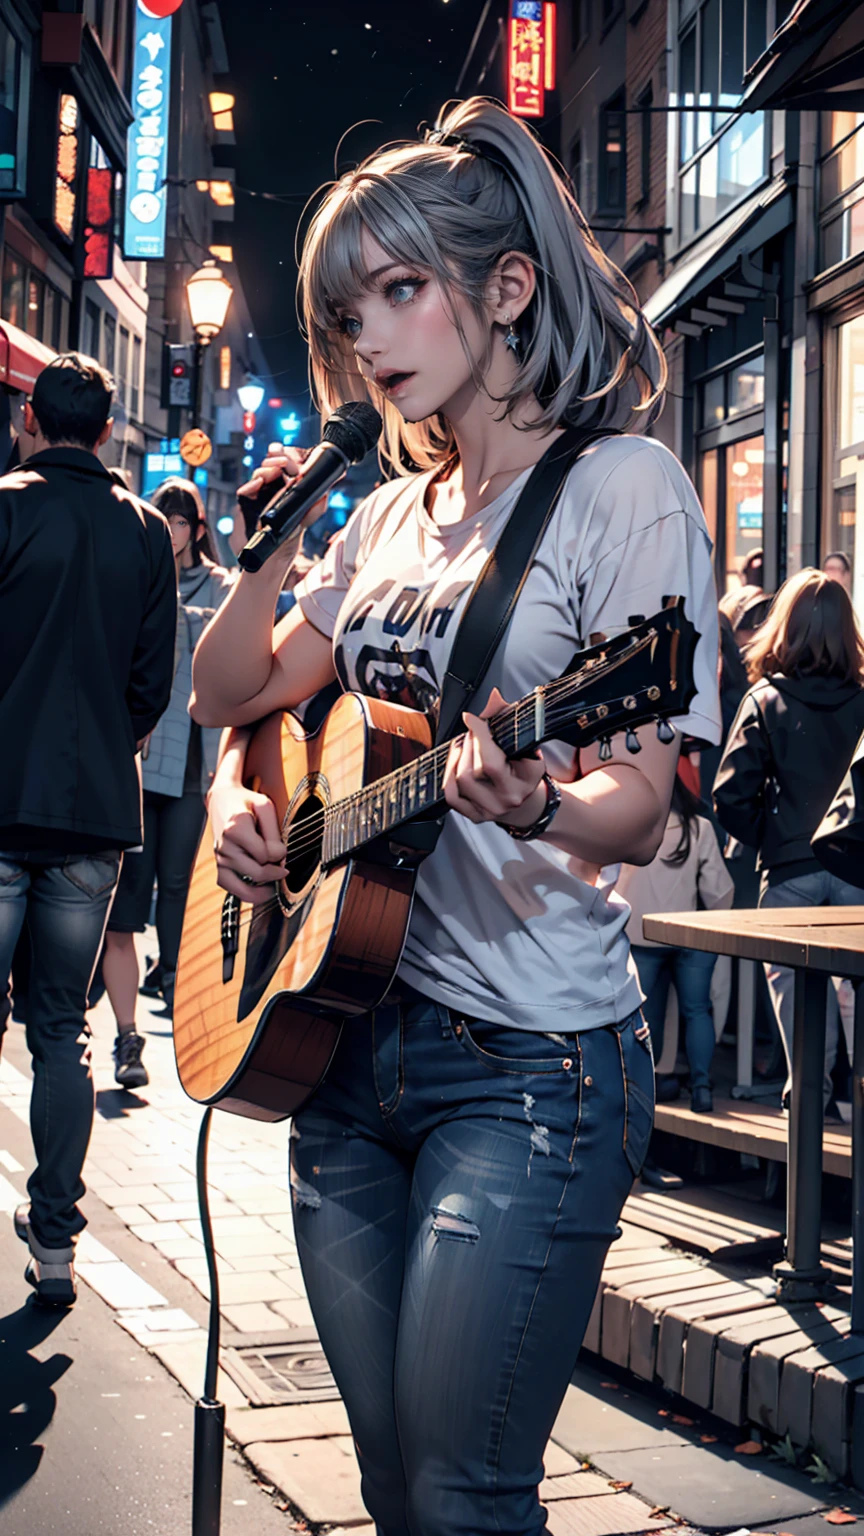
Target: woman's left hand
[(483, 785)]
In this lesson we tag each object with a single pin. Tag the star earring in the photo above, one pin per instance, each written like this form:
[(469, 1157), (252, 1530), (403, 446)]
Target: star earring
[(511, 340)]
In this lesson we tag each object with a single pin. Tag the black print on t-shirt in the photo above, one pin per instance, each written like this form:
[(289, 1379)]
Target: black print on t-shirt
[(399, 674), (400, 677)]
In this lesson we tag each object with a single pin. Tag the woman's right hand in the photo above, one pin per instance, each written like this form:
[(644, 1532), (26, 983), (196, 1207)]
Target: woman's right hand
[(250, 853)]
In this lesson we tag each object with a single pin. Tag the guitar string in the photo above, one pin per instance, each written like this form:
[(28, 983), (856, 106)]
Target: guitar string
[(561, 686), (311, 833), (555, 693)]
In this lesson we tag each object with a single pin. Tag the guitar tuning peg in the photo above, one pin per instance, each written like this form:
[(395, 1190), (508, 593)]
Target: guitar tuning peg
[(665, 732), (632, 742), (605, 749)]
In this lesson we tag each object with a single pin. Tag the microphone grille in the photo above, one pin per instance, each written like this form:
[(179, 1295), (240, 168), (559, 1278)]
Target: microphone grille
[(354, 428)]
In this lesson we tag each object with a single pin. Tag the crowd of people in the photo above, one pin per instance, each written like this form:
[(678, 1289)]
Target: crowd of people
[(792, 700)]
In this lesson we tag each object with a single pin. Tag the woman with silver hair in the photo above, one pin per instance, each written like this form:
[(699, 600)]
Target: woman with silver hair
[(459, 1176)]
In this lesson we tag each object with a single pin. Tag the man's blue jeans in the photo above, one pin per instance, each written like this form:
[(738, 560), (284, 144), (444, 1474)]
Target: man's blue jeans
[(691, 971), (456, 1186), (65, 901)]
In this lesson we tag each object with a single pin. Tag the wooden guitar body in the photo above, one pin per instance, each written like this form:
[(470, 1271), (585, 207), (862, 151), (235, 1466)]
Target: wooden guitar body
[(262, 991)]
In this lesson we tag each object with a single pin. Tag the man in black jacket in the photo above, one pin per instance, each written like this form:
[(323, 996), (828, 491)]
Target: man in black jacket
[(87, 623)]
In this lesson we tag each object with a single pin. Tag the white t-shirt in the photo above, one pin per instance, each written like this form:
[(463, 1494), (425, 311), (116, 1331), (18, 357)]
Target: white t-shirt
[(505, 930)]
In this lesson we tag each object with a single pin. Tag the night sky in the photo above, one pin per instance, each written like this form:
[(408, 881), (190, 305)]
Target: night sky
[(303, 74)]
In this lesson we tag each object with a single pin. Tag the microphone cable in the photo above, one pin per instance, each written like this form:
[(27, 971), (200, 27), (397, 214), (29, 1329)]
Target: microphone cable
[(209, 1444)]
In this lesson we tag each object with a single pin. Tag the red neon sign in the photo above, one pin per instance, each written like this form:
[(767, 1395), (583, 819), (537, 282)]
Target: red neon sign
[(531, 56)]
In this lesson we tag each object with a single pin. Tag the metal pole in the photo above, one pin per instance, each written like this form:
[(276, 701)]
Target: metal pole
[(199, 381), (801, 1274), (858, 1161)]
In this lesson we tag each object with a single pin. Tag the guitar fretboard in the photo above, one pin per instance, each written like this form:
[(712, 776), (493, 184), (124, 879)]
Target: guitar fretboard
[(418, 788)]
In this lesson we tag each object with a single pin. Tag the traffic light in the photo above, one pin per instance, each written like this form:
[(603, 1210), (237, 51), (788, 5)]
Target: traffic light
[(178, 375)]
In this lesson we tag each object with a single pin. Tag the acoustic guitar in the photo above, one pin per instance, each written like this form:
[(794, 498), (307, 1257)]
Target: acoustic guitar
[(262, 992)]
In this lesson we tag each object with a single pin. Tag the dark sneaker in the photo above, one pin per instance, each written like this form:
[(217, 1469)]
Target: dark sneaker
[(702, 1101), (50, 1271), (666, 1088), (151, 986), (129, 1069), (168, 993)]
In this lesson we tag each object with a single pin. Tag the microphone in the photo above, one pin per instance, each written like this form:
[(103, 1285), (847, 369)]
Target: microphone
[(351, 431)]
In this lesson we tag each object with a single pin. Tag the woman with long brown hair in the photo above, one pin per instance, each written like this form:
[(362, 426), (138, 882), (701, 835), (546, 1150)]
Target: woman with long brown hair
[(788, 749)]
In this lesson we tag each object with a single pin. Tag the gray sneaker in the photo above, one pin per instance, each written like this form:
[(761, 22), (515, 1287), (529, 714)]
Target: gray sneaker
[(129, 1069), (50, 1271)]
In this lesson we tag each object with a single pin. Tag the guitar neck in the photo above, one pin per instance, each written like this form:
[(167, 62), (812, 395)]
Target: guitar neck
[(519, 729)]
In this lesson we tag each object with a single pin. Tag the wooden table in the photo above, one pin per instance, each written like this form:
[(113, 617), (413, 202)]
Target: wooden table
[(817, 942)]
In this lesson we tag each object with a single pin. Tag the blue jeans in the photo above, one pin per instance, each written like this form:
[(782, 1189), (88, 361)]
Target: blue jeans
[(691, 971), (65, 901), (456, 1186)]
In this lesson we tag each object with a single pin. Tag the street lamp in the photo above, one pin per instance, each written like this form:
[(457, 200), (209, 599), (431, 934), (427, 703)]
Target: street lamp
[(209, 294), (251, 394)]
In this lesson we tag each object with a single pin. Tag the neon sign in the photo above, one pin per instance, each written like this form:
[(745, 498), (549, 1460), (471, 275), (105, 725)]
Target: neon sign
[(531, 56), (99, 226), (147, 157), (66, 168)]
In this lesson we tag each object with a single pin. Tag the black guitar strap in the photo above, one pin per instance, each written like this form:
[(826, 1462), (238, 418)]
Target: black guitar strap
[(494, 596), (497, 588)]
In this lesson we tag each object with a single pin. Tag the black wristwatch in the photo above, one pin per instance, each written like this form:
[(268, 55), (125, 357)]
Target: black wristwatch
[(544, 820)]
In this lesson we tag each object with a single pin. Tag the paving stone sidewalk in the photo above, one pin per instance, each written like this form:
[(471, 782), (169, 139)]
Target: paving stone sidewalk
[(142, 1166)]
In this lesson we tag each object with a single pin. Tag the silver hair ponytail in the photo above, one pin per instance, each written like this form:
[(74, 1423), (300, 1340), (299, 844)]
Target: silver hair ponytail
[(478, 186)]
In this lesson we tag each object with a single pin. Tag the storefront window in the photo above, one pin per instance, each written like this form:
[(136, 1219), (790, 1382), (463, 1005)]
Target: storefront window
[(846, 507), (35, 304), (12, 306), (744, 465), (747, 386)]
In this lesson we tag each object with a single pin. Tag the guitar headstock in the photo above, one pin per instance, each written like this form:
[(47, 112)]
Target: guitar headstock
[(642, 675)]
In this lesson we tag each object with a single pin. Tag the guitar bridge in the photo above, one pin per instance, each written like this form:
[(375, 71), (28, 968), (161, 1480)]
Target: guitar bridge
[(230, 935)]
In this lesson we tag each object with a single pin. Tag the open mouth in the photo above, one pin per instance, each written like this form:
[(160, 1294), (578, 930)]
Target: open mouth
[(391, 382)]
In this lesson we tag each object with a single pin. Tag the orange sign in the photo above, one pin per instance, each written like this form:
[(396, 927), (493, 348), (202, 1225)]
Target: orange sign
[(531, 56), (195, 446)]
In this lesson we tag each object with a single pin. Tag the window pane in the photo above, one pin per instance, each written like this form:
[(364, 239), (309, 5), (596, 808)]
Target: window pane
[(850, 413), (613, 168), (742, 157), (833, 242), (710, 207), (48, 316), (13, 290), (122, 365), (744, 462), (109, 337), (747, 386), (35, 302), (708, 490), (687, 94), (838, 125), (709, 69), (91, 329), (135, 389), (9, 76), (756, 30), (687, 216), (732, 53), (713, 407)]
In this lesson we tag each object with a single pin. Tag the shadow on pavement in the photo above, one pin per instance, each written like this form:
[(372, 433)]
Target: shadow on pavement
[(118, 1103), (27, 1398)]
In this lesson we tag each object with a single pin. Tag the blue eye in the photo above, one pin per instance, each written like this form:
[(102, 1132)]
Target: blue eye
[(404, 289), (349, 326)]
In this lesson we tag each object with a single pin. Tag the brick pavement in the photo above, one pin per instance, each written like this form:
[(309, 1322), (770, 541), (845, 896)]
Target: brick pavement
[(141, 1165)]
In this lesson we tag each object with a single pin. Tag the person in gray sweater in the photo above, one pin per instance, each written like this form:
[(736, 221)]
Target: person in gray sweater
[(177, 763)]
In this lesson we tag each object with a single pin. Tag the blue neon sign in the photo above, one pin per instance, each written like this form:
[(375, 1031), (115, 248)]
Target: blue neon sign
[(147, 140)]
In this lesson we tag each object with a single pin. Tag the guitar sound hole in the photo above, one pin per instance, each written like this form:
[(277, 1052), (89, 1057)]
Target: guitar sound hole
[(303, 849)]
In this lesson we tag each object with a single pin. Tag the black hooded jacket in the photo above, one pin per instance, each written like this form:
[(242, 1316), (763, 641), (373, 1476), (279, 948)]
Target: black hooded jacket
[(788, 749), (87, 619)]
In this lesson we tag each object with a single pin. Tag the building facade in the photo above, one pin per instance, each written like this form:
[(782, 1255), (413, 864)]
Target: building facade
[(718, 156), (64, 279)]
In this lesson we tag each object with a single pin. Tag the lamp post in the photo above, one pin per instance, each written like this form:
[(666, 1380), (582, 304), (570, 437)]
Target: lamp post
[(209, 294)]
